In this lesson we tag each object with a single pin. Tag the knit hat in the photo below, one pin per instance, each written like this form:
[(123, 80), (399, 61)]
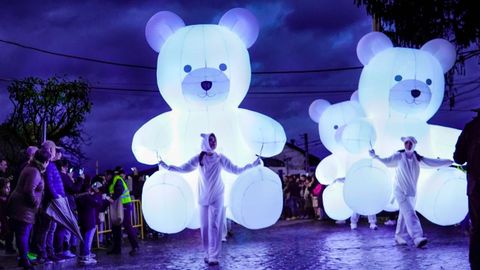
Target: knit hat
[(31, 151), (50, 144), (118, 170)]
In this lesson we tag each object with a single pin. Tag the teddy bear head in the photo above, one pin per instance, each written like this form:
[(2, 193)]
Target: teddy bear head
[(203, 67), (402, 82), (333, 120)]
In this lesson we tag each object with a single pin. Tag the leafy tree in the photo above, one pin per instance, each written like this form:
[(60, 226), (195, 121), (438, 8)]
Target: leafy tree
[(412, 23), (60, 103)]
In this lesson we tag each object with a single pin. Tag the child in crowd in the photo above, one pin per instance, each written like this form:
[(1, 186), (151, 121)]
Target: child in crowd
[(87, 203)]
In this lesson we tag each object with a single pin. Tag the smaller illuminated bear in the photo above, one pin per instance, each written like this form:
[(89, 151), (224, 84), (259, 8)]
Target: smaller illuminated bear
[(344, 132)]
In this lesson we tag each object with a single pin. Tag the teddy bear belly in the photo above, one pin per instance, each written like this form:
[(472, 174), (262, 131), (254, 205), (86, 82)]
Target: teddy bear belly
[(225, 127)]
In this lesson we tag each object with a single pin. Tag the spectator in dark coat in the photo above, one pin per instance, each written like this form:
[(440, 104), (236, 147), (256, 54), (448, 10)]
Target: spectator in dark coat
[(4, 169), (138, 182), (28, 156), (293, 201), (25, 201), (468, 150), (4, 193), (5, 174)]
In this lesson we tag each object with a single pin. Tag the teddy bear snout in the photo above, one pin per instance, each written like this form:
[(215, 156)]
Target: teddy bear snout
[(415, 93), (206, 85)]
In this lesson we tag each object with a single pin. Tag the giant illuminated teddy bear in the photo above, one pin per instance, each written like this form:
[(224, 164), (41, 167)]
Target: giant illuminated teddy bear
[(400, 89), (203, 73)]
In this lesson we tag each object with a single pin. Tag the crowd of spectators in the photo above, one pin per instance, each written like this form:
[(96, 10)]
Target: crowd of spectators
[(45, 192), (302, 197)]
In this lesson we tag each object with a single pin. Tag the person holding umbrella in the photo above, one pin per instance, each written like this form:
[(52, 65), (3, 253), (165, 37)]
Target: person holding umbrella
[(57, 216)]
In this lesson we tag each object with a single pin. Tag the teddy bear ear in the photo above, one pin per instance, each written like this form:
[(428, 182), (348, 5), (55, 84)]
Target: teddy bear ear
[(317, 108), (243, 23), (161, 26), (443, 50), (371, 44), (354, 97)]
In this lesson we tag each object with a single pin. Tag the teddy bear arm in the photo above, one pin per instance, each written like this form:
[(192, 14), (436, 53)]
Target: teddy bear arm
[(153, 139), (265, 136)]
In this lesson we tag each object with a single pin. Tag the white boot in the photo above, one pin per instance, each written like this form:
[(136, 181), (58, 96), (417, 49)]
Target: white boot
[(373, 226), (353, 226), (420, 242), (400, 240)]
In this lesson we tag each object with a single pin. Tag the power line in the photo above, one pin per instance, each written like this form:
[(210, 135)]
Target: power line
[(101, 61), (76, 56), (252, 92), (137, 90), (314, 92), (306, 70)]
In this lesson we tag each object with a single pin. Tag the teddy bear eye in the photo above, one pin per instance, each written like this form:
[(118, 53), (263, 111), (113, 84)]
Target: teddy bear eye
[(398, 78), (187, 68), (429, 82), (335, 127), (222, 67)]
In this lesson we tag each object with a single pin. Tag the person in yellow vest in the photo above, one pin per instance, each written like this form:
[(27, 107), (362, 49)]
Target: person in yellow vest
[(118, 189)]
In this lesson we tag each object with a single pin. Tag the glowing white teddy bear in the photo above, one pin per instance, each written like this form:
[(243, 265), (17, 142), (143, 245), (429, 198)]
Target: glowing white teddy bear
[(203, 73), (344, 132), (347, 135), (400, 89)]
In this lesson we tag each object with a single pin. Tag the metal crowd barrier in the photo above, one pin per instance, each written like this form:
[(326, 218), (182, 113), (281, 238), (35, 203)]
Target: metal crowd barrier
[(137, 222)]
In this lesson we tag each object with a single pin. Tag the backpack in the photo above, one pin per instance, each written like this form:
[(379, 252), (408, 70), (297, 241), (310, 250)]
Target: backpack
[(317, 190)]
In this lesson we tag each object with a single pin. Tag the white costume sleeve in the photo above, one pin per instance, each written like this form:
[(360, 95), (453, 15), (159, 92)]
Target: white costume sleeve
[(435, 162), (231, 168), (191, 165), (391, 161)]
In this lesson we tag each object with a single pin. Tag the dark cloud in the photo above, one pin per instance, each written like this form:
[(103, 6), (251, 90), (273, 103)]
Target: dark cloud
[(322, 17), (294, 35)]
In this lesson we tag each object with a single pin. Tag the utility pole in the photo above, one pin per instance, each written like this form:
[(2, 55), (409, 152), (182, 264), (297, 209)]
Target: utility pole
[(307, 164), (375, 24), (44, 133)]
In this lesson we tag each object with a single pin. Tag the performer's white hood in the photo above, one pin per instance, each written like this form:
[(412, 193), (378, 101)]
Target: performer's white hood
[(205, 143), (412, 140)]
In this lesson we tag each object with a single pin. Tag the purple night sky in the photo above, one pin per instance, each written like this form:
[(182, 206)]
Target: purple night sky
[(294, 35)]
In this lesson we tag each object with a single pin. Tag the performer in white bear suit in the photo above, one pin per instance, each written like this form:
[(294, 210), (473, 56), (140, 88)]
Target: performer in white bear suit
[(407, 163), (210, 192)]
